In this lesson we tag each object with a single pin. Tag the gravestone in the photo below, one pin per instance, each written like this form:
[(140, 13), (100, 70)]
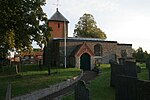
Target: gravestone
[(116, 69), (112, 75), (81, 91), (126, 88), (121, 61), (130, 69), (143, 88)]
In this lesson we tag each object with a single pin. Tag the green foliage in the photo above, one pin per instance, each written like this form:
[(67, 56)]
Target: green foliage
[(100, 87), (69, 96), (144, 72), (86, 27), (141, 56), (21, 22)]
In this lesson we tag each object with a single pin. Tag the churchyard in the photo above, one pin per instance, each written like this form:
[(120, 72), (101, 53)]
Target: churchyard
[(31, 78), (100, 88), (126, 83)]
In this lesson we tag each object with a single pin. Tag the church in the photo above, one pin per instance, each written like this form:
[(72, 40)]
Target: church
[(83, 53)]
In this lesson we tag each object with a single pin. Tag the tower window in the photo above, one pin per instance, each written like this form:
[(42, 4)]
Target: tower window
[(58, 25)]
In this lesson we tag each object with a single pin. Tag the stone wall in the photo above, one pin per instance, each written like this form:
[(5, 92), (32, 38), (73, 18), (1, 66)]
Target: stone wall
[(50, 90), (126, 47), (111, 50), (108, 49)]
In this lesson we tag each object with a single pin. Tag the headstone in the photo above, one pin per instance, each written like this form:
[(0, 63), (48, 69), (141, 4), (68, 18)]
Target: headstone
[(130, 69), (112, 77), (126, 88), (116, 69), (121, 61), (143, 88), (81, 91)]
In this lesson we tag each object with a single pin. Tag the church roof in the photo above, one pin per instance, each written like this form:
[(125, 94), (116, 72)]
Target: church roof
[(57, 16), (72, 39), (123, 44)]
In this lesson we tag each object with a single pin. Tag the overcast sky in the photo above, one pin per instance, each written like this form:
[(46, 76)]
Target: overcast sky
[(125, 21)]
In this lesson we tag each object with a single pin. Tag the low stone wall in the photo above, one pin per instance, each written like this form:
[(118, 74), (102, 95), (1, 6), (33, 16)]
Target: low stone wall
[(47, 91)]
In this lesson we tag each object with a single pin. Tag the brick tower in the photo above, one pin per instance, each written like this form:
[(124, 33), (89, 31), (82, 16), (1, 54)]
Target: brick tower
[(59, 25)]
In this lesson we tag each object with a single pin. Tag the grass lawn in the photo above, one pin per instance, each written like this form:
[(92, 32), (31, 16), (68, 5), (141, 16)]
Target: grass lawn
[(32, 79), (144, 72), (100, 87)]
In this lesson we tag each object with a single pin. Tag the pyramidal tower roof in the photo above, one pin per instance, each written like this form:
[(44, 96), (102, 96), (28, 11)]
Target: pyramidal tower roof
[(57, 16)]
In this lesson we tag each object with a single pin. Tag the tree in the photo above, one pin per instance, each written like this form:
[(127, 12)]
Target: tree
[(140, 55), (86, 27), (21, 23)]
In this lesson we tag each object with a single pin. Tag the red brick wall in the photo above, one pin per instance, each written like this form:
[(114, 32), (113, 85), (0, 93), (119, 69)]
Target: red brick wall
[(57, 29)]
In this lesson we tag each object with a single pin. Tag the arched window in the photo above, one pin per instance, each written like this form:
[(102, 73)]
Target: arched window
[(98, 50)]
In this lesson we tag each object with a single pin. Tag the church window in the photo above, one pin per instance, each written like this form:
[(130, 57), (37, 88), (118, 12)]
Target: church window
[(98, 50)]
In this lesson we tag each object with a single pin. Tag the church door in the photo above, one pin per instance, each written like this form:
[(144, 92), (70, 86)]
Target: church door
[(85, 61)]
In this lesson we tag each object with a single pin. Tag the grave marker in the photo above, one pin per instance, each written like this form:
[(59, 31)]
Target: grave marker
[(116, 69), (143, 88), (126, 88), (81, 91), (130, 69)]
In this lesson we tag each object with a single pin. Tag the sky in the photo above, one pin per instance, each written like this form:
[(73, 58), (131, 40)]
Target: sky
[(125, 21)]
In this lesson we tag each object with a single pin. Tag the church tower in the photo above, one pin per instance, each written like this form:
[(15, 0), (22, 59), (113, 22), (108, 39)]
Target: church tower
[(59, 25)]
